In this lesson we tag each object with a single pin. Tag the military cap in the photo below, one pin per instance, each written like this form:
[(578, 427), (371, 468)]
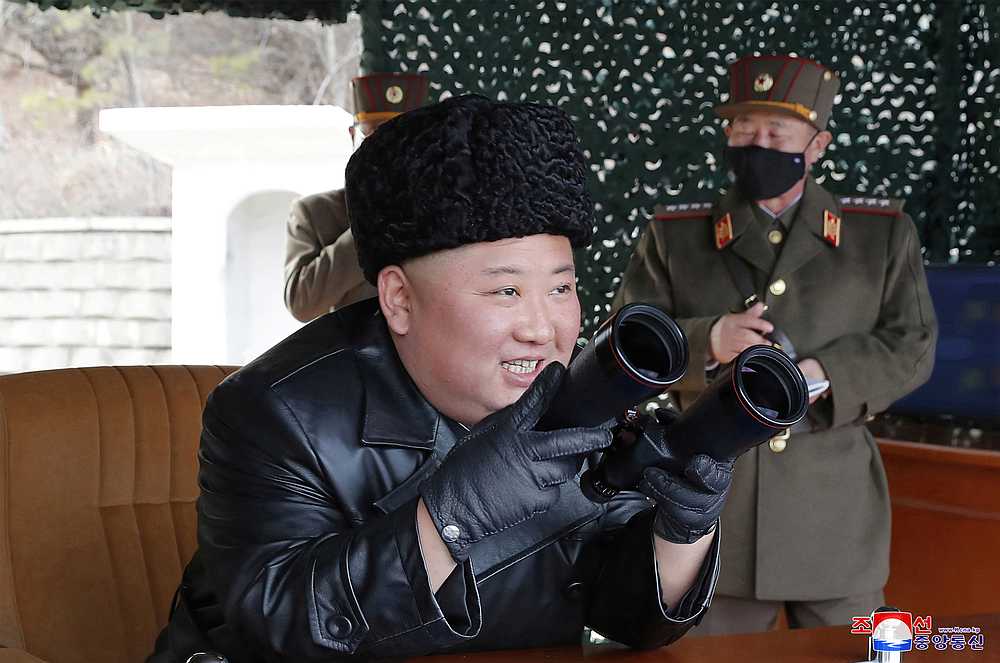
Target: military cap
[(462, 171), (782, 84), (379, 97)]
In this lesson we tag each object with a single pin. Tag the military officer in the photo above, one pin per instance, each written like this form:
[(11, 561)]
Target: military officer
[(840, 280), (321, 266)]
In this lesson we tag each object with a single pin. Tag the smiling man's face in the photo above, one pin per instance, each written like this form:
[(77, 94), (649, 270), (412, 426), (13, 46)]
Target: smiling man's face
[(475, 325)]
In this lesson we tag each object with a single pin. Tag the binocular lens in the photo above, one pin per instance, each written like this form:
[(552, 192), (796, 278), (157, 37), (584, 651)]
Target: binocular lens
[(770, 384), (651, 345)]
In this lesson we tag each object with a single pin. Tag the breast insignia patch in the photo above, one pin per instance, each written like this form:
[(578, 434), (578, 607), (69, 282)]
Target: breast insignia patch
[(723, 232), (831, 228)]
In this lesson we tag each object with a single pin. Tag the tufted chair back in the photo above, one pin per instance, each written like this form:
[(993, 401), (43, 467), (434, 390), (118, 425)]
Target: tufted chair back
[(98, 481)]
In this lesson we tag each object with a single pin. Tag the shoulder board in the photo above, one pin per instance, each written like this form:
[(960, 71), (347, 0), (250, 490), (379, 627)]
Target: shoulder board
[(682, 211), (866, 205)]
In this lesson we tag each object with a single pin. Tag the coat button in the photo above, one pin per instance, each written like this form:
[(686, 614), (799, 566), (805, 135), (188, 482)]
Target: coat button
[(778, 443), (775, 236), (574, 590), (778, 287), (339, 626), (450, 533)]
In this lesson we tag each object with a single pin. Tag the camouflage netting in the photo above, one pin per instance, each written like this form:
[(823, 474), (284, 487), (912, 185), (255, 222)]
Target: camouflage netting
[(919, 116)]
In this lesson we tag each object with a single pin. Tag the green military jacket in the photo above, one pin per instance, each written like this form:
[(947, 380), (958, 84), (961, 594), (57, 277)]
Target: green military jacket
[(810, 522)]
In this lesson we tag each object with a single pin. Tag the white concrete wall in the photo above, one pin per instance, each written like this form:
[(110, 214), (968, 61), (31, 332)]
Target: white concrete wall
[(255, 275), (235, 172), (84, 292)]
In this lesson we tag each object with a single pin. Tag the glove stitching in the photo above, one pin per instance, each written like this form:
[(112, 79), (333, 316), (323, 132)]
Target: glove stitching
[(582, 447), (505, 527)]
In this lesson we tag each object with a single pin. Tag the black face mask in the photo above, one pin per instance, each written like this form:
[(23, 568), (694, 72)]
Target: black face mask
[(763, 173)]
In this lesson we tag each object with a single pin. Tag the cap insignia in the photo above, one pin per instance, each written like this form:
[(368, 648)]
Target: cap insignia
[(394, 94), (763, 83)]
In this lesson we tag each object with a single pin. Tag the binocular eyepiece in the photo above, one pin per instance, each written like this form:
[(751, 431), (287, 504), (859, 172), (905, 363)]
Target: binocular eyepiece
[(636, 355)]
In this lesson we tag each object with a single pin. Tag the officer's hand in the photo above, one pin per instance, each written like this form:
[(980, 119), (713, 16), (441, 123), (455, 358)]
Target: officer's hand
[(688, 502), (735, 332), (504, 472), (813, 371)]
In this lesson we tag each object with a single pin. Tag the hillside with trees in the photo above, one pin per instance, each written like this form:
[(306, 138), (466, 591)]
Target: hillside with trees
[(58, 69)]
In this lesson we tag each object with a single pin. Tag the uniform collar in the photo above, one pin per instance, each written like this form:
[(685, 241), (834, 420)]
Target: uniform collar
[(785, 215), (751, 246), (805, 238)]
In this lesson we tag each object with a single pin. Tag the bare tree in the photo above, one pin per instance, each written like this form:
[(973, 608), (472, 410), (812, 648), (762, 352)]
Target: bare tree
[(63, 45)]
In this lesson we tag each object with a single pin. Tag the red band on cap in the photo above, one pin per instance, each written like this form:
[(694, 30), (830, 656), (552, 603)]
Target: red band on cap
[(777, 81), (802, 65)]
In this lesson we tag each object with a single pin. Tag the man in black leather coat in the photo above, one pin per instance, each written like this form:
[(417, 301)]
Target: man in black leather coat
[(373, 485)]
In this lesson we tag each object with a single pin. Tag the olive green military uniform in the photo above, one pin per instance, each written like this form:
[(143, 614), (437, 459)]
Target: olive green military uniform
[(321, 263), (807, 522), (812, 522)]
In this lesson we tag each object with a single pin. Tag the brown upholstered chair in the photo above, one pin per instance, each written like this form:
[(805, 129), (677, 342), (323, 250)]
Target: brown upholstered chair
[(98, 481)]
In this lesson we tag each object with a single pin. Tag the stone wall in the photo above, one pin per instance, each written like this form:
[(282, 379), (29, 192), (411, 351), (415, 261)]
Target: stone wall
[(84, 292)]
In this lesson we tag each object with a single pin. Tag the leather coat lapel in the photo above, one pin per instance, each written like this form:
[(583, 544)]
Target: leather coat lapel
[(396, 413), (805, 239)]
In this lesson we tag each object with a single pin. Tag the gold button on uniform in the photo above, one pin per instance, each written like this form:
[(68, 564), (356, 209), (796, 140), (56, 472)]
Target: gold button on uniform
[(775, 237), (778, 287), (778, 443)]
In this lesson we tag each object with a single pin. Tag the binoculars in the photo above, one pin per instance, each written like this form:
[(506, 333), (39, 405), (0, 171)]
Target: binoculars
[(636, 355)]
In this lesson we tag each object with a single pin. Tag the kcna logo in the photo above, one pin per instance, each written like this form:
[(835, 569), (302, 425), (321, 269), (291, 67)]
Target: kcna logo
[(891, 631), (897, 631)]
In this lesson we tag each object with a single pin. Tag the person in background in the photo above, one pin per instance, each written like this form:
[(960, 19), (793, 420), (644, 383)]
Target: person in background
[(840, 282), (321, 266)]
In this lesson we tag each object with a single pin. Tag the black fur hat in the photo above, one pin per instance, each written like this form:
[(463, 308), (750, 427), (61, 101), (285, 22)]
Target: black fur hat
[(461, 171)]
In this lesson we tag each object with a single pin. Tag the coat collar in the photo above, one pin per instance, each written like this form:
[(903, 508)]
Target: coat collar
[(805, 238), (751, 246), (395, 412)]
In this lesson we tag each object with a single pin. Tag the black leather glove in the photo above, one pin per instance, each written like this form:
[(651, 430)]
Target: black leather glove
[(689, 499), (503, 472)]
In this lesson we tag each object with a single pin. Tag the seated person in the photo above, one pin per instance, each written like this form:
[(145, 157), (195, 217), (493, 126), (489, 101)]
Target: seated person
[(373, 485)]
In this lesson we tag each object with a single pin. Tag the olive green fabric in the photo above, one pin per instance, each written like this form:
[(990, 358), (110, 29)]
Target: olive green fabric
[(812, 522)]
